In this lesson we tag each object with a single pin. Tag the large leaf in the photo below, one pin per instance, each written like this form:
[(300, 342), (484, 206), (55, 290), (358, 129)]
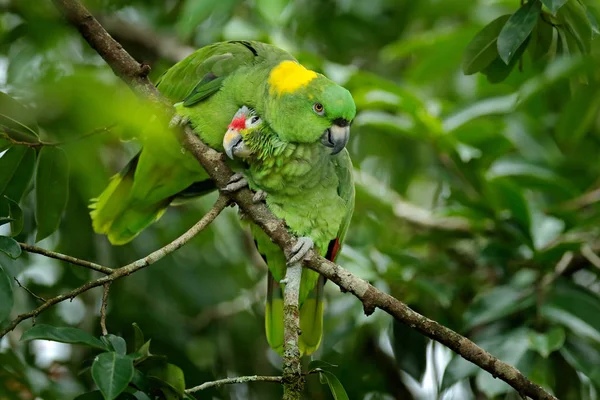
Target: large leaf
[(17, 166), (51, 190), (112, 373), (10, 247), (482, 50), (498, 303), (272, 10), (168, 375), (63, 335), (6, 295), (337, 389), (517, 30)]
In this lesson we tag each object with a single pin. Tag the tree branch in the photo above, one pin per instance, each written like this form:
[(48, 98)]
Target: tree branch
[(135, 75), (240, 379), (128, 269), (103, 309), (292, 365), (63, 257)]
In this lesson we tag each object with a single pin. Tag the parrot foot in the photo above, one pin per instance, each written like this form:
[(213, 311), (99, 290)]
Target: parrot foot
[(178, 120), (300, 249), (236, 182), (259, 196)]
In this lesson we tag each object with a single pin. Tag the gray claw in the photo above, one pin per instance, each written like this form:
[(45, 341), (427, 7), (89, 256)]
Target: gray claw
[(178, 120), (300, 249), (236, 182), (259, 196)]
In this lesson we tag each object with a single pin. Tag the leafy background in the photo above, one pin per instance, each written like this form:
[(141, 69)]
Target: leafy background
[(476, 153)]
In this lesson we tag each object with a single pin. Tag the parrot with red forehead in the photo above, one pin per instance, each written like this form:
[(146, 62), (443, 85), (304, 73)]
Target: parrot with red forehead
[(208, 87), (312, 189)]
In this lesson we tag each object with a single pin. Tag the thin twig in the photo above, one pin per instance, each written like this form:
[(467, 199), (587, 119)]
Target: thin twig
[(29, 291), (292, 365), (128, 269), (589, 255), (103, 309), (41, 143), (240, 379), (136, 76), (63, 257)]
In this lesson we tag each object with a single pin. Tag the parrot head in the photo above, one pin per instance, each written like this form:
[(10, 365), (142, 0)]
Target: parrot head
[(304, 106), (244, 122)]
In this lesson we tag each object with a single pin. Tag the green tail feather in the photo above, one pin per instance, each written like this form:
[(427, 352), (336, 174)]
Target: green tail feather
[(311, 317), (112, 212)]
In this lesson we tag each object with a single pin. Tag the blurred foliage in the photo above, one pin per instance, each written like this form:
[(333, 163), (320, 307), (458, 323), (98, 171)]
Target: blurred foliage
[(477, 198)]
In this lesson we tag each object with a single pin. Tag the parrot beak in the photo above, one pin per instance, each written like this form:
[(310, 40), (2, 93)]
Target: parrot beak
[(337, 136), (234, 144)]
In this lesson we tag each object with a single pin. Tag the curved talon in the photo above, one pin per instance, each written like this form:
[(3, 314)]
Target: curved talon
[(236, 182), (300, 249), (178, 120), (259, 196)]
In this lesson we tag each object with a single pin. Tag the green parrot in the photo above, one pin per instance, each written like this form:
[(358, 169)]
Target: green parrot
[(312, 189), (208, 87)]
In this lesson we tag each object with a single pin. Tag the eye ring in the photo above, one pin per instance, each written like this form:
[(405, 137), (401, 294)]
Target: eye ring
[(254, 119), (318, 108)]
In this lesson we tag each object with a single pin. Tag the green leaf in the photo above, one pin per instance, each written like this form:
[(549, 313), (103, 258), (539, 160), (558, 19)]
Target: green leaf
[(575, 308), (6, 295), (17, 166), (95, 395), (458, 369), (337, 389), (10, 247), (4, 221), (578, 24), (584, 357), (112, 373), (193, 14), (498, 71), (482, 50), (546, 343), (17, 121), (517, 30), (116, 343), (578, 115), (138, 341), (63, 335), (542, 40), (16, 217), (51, 190), (170, 375), (554, 5)]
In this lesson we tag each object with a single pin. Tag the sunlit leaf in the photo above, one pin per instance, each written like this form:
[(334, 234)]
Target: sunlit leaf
[(546, 343), (6, 295), (62, 334), (10, 247), (482, 50), (517, 30), (112, 373), (51, 190)]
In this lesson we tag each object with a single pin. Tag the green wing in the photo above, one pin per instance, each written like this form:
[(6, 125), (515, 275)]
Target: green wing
[(201, 74)]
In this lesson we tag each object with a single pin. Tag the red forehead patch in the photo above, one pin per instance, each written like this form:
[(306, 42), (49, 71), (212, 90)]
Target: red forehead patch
[(238, 123)]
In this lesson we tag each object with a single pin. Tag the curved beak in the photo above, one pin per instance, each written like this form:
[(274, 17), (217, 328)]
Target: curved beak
[(234, 145), (336, 137)]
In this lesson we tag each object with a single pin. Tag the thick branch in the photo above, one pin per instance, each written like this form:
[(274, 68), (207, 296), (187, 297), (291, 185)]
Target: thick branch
[(128, 269), (240, 379), (212, 161), (292, 366)]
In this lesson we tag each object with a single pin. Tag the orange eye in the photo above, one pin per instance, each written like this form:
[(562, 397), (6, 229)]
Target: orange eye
[(318, 107)]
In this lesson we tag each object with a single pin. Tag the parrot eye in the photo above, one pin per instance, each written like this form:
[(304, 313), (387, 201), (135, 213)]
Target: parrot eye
[(253, 121), (318, 108)]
